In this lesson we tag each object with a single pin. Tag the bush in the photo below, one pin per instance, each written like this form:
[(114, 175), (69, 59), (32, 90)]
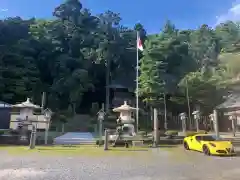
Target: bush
[(202, 132), (161, 132), (171, 133), (2, 132), (99, 142), (192, 133), (14, 132), (142, 133)]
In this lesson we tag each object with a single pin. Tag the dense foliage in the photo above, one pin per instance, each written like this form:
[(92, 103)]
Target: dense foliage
[(70, 56)]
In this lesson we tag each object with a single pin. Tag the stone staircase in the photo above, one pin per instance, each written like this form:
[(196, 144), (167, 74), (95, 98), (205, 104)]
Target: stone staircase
[(75, 138)]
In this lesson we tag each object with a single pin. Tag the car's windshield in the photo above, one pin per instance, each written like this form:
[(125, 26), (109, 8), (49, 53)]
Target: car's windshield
[(210, 138)]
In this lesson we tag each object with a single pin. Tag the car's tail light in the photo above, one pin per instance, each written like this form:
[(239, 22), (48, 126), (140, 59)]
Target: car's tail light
[(213, 145)]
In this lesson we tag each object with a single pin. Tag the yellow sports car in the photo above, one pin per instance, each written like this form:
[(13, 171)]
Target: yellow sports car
[(208, 144)]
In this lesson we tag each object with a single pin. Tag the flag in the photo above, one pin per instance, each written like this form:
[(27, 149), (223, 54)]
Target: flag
[(139, 43)]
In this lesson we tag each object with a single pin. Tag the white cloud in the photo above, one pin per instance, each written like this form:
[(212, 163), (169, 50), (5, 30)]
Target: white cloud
[(3, 10), (232, 14)]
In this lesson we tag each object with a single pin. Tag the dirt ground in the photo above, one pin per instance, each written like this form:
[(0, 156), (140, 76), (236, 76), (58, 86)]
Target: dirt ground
[(171, 163)]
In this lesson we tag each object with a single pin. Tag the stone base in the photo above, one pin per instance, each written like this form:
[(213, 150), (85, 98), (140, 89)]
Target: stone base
[(137, 143), (181, 134)]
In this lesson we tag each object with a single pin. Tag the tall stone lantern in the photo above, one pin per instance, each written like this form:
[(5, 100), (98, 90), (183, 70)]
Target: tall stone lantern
[(126, 118), (183, 118), (25, 117)]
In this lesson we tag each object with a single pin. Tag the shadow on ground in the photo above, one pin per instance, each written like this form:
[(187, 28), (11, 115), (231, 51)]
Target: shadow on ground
[(165, 146), (237, 154), (129, 150), (58, 149)]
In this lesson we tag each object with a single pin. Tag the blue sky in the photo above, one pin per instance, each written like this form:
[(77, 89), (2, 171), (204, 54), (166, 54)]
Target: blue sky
[(151, 13)]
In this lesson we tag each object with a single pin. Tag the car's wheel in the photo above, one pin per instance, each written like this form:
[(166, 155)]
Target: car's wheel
[(185, 145), (206, 150)]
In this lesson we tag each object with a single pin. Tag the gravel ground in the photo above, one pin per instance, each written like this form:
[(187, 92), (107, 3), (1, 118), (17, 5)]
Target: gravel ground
[(157, 164)]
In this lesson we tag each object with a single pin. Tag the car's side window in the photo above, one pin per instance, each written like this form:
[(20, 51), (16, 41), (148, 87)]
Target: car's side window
[(198, 138)]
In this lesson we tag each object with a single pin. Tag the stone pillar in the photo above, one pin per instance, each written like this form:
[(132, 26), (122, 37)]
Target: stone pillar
[(215, 122), (156, 128), (196, 115), (233, 119), (33, 137), (106, 140), (183, 118), (46, 132)]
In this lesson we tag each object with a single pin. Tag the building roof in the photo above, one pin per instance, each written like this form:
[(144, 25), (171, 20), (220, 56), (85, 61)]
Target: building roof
[(232, 102), (4, 104)]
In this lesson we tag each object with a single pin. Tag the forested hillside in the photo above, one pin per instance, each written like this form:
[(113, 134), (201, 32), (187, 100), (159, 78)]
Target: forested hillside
[(69, 56)]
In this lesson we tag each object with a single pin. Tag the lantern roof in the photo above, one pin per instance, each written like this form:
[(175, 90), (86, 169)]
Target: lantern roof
[(124, 107), (27, 104)]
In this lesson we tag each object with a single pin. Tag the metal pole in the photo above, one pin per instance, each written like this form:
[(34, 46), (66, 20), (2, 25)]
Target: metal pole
[(215, 121), (106, 140), (137, 68), (189, 108), (165, 112), (156, 131)]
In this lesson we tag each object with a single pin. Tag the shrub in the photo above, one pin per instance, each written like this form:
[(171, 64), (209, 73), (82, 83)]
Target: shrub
[(171, 133), (99, 142), (2, 132), (142, 133), (192, 133), (161, 132)]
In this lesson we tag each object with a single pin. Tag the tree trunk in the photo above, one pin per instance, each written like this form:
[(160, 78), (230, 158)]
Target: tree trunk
[(63, 127)]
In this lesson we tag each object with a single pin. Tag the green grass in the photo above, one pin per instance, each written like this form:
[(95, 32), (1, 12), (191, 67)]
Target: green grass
[(84, 150)]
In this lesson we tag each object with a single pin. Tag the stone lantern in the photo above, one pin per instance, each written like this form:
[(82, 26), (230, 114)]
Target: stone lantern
[(125, 118), (25, 117), (47, 116), (196, 115), (232, 116), (26, 109), (183, 118)]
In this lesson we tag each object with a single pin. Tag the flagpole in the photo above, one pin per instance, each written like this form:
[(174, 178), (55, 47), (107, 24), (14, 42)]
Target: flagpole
[(137, 68), (188, 102)]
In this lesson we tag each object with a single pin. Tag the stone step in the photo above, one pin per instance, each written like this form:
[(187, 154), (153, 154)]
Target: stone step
[(75, 138), (74, 142)]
